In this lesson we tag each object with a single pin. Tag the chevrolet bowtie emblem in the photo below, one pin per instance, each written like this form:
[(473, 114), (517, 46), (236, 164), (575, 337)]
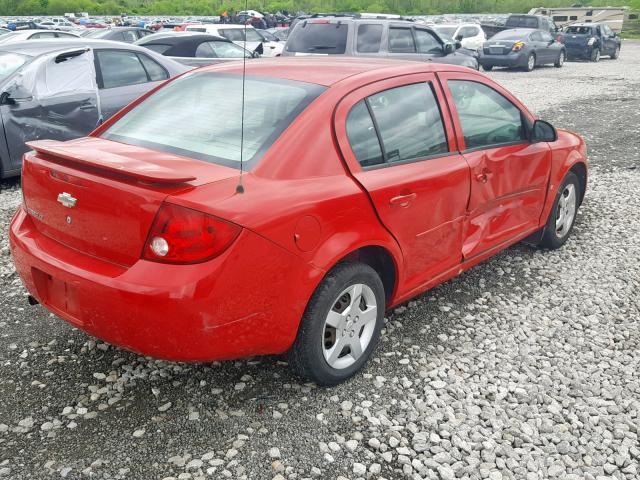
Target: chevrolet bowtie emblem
[(67, 200)]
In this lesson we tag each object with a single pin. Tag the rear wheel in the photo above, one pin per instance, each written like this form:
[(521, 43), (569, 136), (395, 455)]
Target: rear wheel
[(616, 53), (341, 325), (531, 62), (488, 68), (563, 215), (560, 60), (595, 55)]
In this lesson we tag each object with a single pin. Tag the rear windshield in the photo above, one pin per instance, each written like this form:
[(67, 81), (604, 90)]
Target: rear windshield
[(10, 62), (507, 35), (579, 30), (448, 31), (199, 116), (310, 37), (523, 22)]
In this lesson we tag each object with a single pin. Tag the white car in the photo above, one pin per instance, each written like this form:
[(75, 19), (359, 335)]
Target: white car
[(470, 35), (271, 46), (22, 35), (57, 24)]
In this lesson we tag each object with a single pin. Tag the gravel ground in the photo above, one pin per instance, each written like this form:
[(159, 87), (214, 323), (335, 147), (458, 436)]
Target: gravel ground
[(525, 367)]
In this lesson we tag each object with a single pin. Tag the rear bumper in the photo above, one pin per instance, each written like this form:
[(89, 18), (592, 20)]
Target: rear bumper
[(248, 301), (578, 51), (513, 59)]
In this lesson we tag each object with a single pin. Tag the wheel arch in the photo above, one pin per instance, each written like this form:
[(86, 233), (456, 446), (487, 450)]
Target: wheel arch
[(580, 170)]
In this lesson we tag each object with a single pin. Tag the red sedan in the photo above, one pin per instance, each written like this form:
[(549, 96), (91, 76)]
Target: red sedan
[(363, 183)]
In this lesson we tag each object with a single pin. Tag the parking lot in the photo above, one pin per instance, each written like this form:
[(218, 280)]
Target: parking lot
[(525, 367)]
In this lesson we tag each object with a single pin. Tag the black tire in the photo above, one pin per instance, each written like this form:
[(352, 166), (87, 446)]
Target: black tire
[(562, 56), (487, 68), (530, 65), (595, 55), (551, 239), (616, 53), (306, 357)]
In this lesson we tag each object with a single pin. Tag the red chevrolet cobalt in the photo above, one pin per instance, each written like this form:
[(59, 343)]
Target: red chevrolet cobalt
[(185, 230)]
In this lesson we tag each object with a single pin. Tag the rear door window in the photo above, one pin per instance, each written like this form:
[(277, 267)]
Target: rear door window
[(401, 41), (155, 71), (120, 68), (369, 38), (308, 37), (363, 137)]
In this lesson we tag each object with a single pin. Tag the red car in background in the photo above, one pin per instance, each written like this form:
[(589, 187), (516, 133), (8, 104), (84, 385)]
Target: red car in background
[(363, 183)]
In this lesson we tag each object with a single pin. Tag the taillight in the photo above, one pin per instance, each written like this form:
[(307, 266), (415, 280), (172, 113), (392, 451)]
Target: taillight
[(183, 235), (518, 46)]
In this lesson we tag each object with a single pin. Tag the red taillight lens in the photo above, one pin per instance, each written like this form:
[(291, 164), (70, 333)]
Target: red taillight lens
[(183, 235)]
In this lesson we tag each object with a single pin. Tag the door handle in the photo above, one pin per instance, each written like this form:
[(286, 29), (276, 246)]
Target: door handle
[(403, 200)]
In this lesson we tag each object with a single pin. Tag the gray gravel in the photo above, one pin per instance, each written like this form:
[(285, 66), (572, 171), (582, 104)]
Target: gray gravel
[(525, 367)]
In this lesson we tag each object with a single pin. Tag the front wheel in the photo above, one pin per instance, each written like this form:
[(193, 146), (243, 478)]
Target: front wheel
[(616, 53), (487, 68), (531, 62), (563, 214), (595, 55), (341, 325), (560, 60)]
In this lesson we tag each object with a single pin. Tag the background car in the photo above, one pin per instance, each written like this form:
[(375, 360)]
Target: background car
[(470, 35), (118, 34), (590, 41), (271, 46), (425, 171), (522, 48), (57, 24), (195, 49), (63, 90), (372, 38), (281, 33), (22, 35)]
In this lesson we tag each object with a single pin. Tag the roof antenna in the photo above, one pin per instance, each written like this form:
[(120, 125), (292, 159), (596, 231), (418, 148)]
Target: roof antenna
[(240, 186)]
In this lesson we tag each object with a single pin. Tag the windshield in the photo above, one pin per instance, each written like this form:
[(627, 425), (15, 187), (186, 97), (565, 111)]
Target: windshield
[(448, 31), (164, 121), (96, 33), (579, 30), (10, 63), (310, 37)]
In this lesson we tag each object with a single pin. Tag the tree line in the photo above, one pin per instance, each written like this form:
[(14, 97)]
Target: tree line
[(215, 7)]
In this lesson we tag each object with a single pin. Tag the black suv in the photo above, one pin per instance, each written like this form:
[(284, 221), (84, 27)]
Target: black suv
[(369, 37), (590, 40)]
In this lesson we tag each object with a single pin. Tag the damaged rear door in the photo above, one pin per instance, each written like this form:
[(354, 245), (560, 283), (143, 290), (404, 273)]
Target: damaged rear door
[(55, 97)]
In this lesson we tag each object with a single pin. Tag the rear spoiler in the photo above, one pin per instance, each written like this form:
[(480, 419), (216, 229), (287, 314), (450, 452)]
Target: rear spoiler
[(91, 156)]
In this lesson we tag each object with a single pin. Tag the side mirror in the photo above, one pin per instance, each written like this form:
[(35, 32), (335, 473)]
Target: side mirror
[(448, 48), (459, 37), (5, 99), (458, 44), (543, 132)]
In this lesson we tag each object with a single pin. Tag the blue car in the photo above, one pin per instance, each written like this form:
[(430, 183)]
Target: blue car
[(524, 48), (590, 41)]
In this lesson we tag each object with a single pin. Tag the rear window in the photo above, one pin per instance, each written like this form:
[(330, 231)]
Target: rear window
[(579, 30), (164, 121), (310, 37), (507, 35), (522, 22)]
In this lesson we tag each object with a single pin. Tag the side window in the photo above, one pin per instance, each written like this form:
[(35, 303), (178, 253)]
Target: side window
[(228, 50), (536, 37), (158, 47), (253, 36), (362, 136), (401, 41), (546, 37), (129, 36), (427, 43), (155, 71), (120, 68), (369, 37), (204, 50), (37, 36), (409, 122), (233, 34), (487, 117)]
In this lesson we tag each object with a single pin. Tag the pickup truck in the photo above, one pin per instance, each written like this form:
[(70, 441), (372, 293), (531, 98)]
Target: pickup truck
[(538, 22)]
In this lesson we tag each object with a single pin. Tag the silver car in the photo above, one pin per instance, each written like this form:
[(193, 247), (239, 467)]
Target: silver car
[(62, 90), (372, 37)]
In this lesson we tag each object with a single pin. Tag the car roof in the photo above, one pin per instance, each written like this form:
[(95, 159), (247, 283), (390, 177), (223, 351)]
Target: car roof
[(195, 39), (327, 71), (35, 48)]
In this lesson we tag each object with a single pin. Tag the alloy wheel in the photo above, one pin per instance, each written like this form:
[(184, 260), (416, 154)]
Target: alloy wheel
[(566, 210), (561, 59), (531, 62), (349, 326)]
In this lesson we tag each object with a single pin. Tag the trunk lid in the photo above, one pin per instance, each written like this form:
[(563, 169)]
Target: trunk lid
[(576, 39), (498, 47), (100, 197)]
